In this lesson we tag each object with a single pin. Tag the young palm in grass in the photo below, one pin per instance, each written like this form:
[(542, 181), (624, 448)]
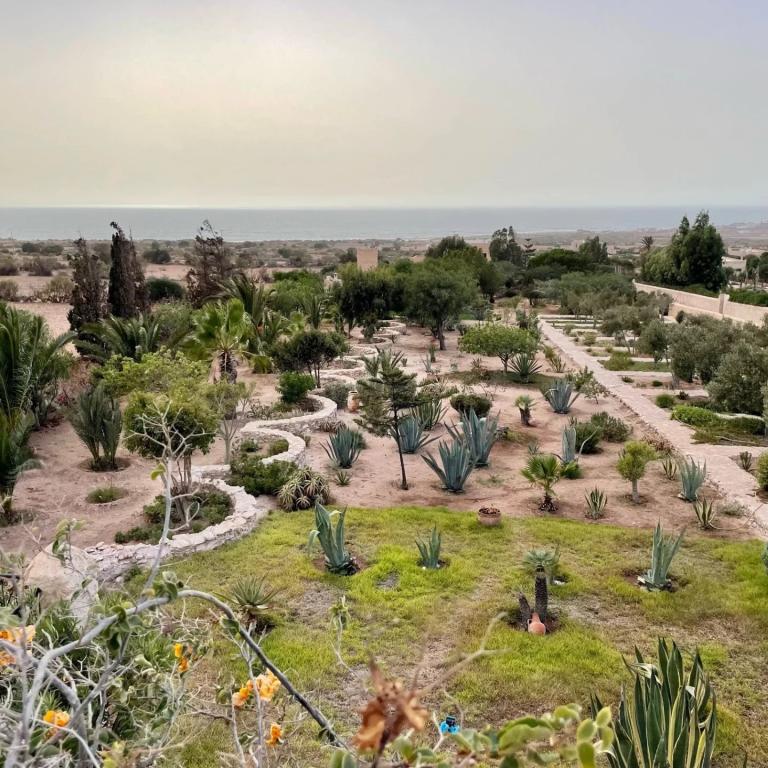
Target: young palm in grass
[(544, 470), (254, 598)]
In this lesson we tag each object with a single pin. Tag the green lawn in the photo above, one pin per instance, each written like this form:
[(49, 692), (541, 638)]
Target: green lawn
[(401, 613)]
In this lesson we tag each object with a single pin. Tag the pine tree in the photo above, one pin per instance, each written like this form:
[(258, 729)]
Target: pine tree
[(127, 294), (89, 303), (212, 265)]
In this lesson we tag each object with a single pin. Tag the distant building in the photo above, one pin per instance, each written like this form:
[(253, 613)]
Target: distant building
[(367, 258)]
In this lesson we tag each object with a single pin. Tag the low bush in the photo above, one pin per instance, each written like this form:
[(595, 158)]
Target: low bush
[(338, 392), (249, 471), (588, 435), (746, 296), (105, 495), (618, 361), (58, 290), (761, 472), (8, 267), (39, 266), (164, 289), (294, 387), (612, 429), (9, 291), (695, 416), (465, 402), (665, 400)]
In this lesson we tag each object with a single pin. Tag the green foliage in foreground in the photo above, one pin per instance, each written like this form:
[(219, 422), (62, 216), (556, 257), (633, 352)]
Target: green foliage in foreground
[(397, 609)]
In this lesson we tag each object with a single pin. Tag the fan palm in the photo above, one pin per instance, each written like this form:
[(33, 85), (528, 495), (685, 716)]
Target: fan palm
[(220, 331), (543, 469)]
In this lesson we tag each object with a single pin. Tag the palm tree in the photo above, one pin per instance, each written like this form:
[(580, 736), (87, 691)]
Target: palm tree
[(15, 456), (543, 469), (220, 331), (647, 244), (31, 363), (313, 305), (254, 296), (125, 337)]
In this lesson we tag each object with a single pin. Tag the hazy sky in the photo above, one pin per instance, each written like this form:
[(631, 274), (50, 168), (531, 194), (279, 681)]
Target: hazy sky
[(387, 102)]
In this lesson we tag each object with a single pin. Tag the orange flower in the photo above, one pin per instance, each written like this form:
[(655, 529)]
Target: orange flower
[(179, 651), (57, 718), (240, 698), (267, 685), (393, 710), (275, 735), (15, 635)]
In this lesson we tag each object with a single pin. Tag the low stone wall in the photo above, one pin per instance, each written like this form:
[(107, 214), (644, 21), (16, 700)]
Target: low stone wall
[(721, 306), (297, 425)]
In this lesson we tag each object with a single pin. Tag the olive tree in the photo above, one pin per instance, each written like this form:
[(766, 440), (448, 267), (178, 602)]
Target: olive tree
[(497, 340)]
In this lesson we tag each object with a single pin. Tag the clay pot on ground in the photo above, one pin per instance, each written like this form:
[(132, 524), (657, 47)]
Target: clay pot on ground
[(489, 516), (353, 401), (536, 625)]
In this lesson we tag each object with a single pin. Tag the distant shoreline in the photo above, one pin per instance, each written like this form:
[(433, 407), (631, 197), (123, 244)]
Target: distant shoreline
[(345, 225)]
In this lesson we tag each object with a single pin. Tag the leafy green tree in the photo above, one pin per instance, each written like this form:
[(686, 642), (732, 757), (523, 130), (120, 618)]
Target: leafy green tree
[(157, 255), (363, 297), (212, 265), (89, 300), (697, 346), (654, 340), (220, 332), (594, 250), (504, 247), (489, 280), (308, 350), (435, 296), (632, 463), (127, 294), (697, 254), (739, 378), (159, 371), (450, 243), (497, 340)]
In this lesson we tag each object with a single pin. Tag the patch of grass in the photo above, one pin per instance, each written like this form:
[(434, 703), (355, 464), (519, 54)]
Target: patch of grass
[(398, 611), (105, 494)]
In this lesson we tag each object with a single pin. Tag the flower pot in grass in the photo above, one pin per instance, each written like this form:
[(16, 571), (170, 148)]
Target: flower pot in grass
[(489, 516), (536, 626)]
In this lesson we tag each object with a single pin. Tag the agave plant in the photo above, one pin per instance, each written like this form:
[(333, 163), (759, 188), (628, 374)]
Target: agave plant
[(705, 513), (692, 476), (524, 365), (560, 395), (331, 540), (663, 551), (543, 469), (253, 599), (429, 413), (596, 503), (303, 489), (455, 465), (548, 559), (669, 466), (479, 435), (98, 422), (429, 550), (525, 405), (745, 460), (342, 477), (411, 434), (668, 717), (344, 446)]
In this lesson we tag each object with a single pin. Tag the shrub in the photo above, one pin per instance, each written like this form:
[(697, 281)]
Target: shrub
[(588, 435), (97, 420), (632, 463), (8, 267), (746, 460), (338, 392), (105, 495), (249, 471), (164, 289), (665, 400), (429, 412), (761, 472), (304, 489), (40, 266), (619, 361), (465, 402), (524, 365), (294, 387), (9, 291), (57, 291), (705, 513), (695, 416), (612, 429)]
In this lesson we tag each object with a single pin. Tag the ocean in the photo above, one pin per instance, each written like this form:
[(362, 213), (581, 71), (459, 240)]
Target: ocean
[(238, 224)]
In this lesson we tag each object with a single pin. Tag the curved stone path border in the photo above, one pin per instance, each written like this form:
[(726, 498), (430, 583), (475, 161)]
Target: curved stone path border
[(114, 560), (730, 479)]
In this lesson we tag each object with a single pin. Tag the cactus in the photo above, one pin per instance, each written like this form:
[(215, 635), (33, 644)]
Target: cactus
[(455, 467), (692, 476), (560, 395)]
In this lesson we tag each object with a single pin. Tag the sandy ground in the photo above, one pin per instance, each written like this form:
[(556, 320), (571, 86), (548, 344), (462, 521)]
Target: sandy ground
[(58, 490)]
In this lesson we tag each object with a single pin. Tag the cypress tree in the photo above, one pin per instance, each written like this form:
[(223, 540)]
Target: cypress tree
[(212, 265), (88, 297), (127, 295)]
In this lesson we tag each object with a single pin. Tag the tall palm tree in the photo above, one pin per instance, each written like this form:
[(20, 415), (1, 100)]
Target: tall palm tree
[(543, 469), (647, 244), (220, 332)]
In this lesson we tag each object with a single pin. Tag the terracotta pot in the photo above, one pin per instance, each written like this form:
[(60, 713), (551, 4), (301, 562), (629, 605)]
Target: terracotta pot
[(353, 402), (488, 516), (536, 625)]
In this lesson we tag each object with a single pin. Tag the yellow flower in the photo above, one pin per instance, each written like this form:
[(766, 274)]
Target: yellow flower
[(179, 652), (275, 735), (14, 635), (240, 698), (57, 718), (267, 685)]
